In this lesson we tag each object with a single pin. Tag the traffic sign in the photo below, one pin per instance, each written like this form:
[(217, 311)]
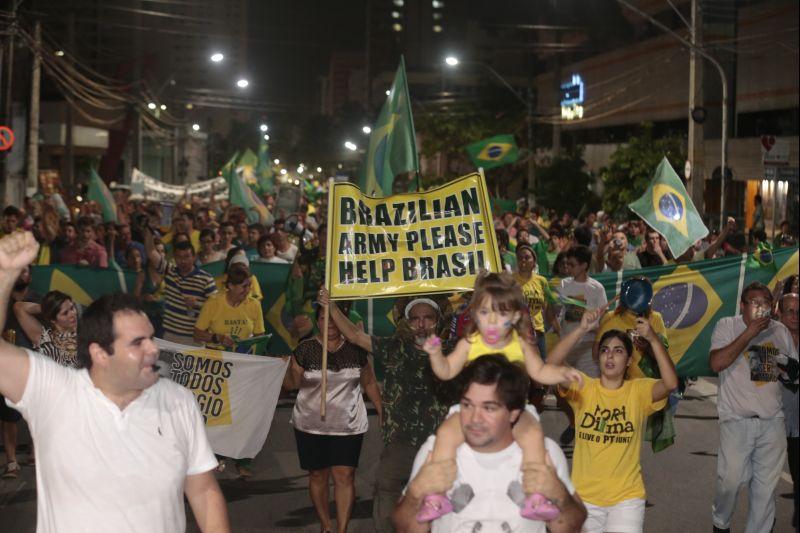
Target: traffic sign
[(6, 138)]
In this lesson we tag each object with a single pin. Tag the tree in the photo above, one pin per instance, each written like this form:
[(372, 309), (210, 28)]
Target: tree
[(447, 130), (632, 165), (564, 186)]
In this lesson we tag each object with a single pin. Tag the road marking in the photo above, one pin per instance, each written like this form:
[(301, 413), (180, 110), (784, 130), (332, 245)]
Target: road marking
[(709, 390)]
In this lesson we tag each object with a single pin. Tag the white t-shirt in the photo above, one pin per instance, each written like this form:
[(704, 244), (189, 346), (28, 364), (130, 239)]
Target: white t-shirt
[(489, 475), (289, 254), (749, 387), (99, 469), (592, 292)]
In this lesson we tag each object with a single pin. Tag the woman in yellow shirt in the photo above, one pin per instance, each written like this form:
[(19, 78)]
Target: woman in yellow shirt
[(226, 318), (534, 289), (231, 315), (610, 414)]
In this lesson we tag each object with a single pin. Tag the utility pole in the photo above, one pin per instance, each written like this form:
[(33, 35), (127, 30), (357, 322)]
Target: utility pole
[(7, 107), (33, 117), (723, 79), (69, 141), (696, 152)]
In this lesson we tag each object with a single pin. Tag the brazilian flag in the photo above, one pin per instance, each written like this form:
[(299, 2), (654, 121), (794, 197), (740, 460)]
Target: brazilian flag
[(668, 209), (392, 145), (493, 152), (98, 192), (264, 173)]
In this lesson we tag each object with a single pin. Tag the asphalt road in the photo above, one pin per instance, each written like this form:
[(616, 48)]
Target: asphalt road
[(679, 480)]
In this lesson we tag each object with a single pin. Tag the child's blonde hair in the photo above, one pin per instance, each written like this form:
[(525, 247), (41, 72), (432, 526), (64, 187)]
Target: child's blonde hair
[(506, 296)]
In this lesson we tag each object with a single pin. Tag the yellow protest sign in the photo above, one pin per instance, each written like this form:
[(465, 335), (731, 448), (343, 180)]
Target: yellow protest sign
[(430, 242)]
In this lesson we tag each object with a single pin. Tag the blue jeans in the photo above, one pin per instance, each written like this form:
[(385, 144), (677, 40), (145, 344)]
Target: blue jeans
[(752, 452)]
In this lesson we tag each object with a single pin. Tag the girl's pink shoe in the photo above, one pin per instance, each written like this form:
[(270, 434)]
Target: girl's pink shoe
[(434, 506), (537, 507)]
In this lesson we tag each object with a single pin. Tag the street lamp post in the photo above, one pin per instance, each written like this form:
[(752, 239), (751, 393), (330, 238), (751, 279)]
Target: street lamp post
[(724, 141), (527, 102)]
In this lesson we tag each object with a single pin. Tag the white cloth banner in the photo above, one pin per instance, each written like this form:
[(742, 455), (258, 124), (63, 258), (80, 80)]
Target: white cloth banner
[(237, 394), (145, 187)]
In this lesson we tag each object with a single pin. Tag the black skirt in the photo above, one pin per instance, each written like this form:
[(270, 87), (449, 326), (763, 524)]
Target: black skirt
[(317, 452)]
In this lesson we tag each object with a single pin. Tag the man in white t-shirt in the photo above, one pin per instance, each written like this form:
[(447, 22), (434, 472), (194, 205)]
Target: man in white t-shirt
[(116, 447), (578, 292), (751, 353), (489, 464)]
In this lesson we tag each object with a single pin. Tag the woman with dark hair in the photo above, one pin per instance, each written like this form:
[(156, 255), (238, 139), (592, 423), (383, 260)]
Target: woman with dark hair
[(330, 447), (237, 255), (612, 410), (227, 317), (52, 326), (534, 288), (208, 253)]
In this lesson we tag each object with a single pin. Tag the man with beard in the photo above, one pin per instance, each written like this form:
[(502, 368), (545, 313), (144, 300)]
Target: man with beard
[(13, 333), (415, 401), (488, 463)]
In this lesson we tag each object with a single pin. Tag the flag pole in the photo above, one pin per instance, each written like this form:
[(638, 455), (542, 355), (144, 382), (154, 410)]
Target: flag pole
[(326, 312)]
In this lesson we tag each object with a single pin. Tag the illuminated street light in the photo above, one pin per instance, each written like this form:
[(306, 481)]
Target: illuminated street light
[(263, 127), (151, 105), (60, 53), (451, 60), (266, 137), (366, 129), (242, 83), (163, 107), (276, 161), (300, 170), (196, 127), (319, 169), (217, 57), (350, 146), (388, 92), (283, 171)]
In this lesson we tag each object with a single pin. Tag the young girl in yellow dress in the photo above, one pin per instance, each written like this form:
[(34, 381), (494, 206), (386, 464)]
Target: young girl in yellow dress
[(496, 309)]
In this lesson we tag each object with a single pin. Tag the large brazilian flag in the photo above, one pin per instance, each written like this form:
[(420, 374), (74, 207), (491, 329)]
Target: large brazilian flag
[(690, 297), (86, 284)]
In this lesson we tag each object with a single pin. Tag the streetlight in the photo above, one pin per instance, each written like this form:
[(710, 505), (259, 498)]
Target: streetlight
[(388, 92), (319, 169), (284, 171), (163, 107), (242, 83), (196, 127), (60, 53), (366, 129), (350, 146), (276, 161), (263, 127), (266, 137), (452, 61), (300, 170), (151, 106), (217, 57)]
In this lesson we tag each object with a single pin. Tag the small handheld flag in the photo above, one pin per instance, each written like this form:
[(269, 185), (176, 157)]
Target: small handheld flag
[(668, 209), (392, 144), (493, 152), (98, 192)]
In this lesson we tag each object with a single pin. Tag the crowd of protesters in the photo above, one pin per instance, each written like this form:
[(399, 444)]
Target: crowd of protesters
[(169, 247)]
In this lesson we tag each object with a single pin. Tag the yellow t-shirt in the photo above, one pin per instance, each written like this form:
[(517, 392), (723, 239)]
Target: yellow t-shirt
[(255, 287), (533, 289), (512, 350), (609, 424), (240, 322), (626, 321)]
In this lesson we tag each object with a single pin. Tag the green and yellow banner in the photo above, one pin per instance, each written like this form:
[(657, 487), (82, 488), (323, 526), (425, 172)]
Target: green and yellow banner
[(415, 243)]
